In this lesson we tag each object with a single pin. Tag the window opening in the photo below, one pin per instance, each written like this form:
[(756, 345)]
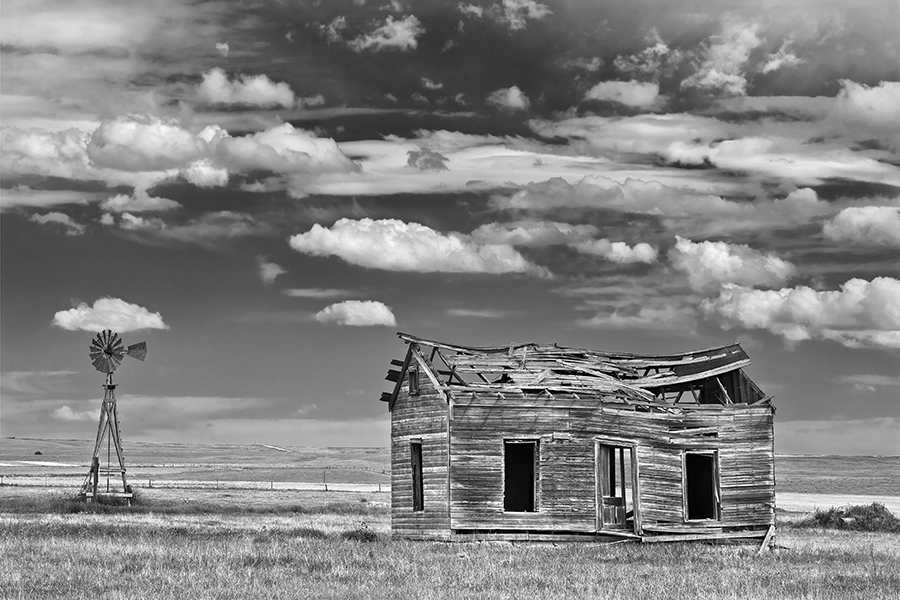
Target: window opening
[(413, 378), (701, 486), (616, 485), (417, 486), (520, 460)]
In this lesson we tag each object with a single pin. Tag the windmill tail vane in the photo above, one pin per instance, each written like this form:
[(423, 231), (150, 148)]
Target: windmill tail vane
[(107, 351)]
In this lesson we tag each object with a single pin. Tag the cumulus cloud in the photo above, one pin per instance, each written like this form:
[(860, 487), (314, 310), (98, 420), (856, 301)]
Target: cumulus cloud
[(860, 314), (61, 219), (357, 313), (144, 143), (547, 233), (282, 149), (866, 225), (509, 99), (874, 110), (244, 90), (142, 150), (392, 35), (140, 201), (268, 271), (618, 252), (726, 57), (203, 173), (46, 153), (629, 93), (431, 85), (426, 159), (394, 245), (222, 47), (710, 264), (108, 313), (876, 105), (313, 101)]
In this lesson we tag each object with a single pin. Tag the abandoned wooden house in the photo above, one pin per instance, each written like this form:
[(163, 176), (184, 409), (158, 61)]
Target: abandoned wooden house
[(541, 442)]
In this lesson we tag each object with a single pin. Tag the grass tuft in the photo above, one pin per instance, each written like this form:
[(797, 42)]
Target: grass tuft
[(361, 533), (857, 517)]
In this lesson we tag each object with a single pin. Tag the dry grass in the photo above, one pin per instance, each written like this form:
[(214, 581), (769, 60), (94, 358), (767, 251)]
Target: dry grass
[(233, 556)]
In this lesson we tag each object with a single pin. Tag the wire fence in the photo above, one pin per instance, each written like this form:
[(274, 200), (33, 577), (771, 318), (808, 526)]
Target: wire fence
[(192, 484)]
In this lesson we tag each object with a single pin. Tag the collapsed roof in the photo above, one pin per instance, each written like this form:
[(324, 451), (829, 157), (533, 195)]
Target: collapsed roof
[(529, 369)]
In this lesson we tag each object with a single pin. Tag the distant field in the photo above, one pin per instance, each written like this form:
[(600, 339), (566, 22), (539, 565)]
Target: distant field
[(64, 463), (838, 474)]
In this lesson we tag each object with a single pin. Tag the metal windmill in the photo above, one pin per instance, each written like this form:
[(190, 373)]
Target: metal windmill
[(107, 352)]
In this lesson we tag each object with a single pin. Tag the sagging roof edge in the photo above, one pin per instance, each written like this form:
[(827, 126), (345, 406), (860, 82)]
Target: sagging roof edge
[(624, 356)]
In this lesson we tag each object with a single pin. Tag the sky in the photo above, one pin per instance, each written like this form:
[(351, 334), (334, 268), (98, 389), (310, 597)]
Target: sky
[(267, 192)]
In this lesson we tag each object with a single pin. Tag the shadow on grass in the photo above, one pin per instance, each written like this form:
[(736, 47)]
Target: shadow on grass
[(66, 504)]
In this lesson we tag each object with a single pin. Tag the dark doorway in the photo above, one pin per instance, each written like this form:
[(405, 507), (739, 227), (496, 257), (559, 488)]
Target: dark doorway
[(417, 487), (700, 486), (520, 471), (615, 478)]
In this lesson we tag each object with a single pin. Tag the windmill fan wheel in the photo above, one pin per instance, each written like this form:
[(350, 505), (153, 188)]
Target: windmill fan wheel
[(107, 351)]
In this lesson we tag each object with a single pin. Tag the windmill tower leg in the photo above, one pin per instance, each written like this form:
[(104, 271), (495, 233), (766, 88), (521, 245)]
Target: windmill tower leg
[(109, 425), (117, 443)]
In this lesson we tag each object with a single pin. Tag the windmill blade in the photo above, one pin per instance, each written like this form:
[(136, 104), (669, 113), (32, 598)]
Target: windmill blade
[(138, 351)]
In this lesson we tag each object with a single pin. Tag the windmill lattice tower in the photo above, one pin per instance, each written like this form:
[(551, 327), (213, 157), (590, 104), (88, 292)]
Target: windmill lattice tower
[(107, 352)]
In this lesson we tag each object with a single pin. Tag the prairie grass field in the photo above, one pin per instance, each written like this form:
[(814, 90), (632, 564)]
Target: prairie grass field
[(233, 542)]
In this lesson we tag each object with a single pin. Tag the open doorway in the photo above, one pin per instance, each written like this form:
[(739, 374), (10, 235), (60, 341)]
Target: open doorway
[(520, 473), (615, 487), (701, 486)]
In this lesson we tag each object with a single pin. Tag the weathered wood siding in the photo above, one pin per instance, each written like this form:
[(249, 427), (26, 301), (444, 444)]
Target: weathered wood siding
[(566, 430), (421, 417)]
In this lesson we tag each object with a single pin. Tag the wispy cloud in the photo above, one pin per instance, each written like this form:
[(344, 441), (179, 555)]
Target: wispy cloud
[(268, 271), (400, 34), (33, 382), (471, 313), (318, 293), (59, 219)]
